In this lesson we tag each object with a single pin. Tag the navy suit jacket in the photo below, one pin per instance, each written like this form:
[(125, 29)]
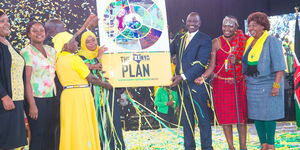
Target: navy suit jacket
[(198, 49)]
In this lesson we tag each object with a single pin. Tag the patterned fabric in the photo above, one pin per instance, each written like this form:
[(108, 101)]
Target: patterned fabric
[(223, 84), (17, 67), (43, 70), (238, 43)]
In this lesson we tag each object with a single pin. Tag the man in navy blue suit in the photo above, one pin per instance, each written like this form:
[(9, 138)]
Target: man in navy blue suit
[(192, 51)]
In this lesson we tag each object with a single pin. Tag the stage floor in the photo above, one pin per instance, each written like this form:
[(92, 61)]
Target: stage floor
[(287, 138)]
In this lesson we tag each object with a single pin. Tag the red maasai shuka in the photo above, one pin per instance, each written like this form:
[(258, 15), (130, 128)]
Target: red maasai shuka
[(223, 83)]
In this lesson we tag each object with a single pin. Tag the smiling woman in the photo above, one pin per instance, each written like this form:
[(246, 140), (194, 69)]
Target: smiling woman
[(40, 73), (263, 65), (228, 85), (12, 126)]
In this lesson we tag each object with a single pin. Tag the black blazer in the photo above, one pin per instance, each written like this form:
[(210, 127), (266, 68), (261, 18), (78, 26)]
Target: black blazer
[(5, 73)]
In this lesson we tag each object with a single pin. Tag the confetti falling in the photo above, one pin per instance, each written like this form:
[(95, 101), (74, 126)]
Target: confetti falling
[(73, 14), (20, 12)]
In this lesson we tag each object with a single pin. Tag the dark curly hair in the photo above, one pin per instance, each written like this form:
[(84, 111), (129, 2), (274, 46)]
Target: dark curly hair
[(260, 18), (30, 24)]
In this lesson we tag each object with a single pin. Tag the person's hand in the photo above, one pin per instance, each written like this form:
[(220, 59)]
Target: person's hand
[(89, 20), (8, 103), (97, 66), (176, 80), (232, 58), (200, 80), (275, 91), (107, 85), (177, 109), (173, 60), (101, 51), (33, 111), (170, 103), (121, 100)]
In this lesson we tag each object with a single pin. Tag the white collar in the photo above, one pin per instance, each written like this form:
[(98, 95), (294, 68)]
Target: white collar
[(192, 34)]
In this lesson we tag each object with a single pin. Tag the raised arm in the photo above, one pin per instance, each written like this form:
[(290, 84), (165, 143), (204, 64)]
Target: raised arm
[(87, 22)]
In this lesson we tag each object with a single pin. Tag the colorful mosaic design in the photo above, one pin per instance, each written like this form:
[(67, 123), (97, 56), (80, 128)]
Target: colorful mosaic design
[(133, 24)]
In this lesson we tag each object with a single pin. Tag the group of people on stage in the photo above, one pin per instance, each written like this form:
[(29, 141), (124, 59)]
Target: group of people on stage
[(81, 111), (247, 80), (63, 110)]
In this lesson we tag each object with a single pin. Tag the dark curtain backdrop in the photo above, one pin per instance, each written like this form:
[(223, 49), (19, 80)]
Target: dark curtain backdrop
[(278, 7), (213, 11), (73, 12)]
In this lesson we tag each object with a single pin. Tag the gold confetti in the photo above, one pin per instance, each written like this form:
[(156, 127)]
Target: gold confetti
[(22, 11)]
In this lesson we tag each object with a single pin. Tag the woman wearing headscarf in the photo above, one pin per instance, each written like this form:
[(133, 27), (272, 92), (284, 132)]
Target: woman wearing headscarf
[(79, 127), (12, 126), (263, 65), (91, 53)]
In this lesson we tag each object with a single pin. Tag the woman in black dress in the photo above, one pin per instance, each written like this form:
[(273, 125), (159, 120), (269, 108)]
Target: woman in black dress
[(12, 126)]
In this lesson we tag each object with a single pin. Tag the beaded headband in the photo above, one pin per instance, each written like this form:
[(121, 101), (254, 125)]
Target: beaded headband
[(230, 21)]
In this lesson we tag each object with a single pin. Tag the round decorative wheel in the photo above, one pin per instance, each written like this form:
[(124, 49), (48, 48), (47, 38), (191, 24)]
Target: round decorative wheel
[(133, 24)]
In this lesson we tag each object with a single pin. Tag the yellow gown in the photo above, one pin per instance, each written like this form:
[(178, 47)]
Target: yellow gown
[(79, 128)]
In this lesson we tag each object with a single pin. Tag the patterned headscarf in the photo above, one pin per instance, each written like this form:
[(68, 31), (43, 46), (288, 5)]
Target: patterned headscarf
[(230, 21)]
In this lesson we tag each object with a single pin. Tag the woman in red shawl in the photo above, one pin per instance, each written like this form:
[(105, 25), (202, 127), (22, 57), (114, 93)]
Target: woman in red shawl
[(229, 91)]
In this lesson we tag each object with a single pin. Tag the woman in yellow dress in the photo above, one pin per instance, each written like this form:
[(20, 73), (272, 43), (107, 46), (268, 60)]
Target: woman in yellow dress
[(91, 54), (107, 109), (79, 130)]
